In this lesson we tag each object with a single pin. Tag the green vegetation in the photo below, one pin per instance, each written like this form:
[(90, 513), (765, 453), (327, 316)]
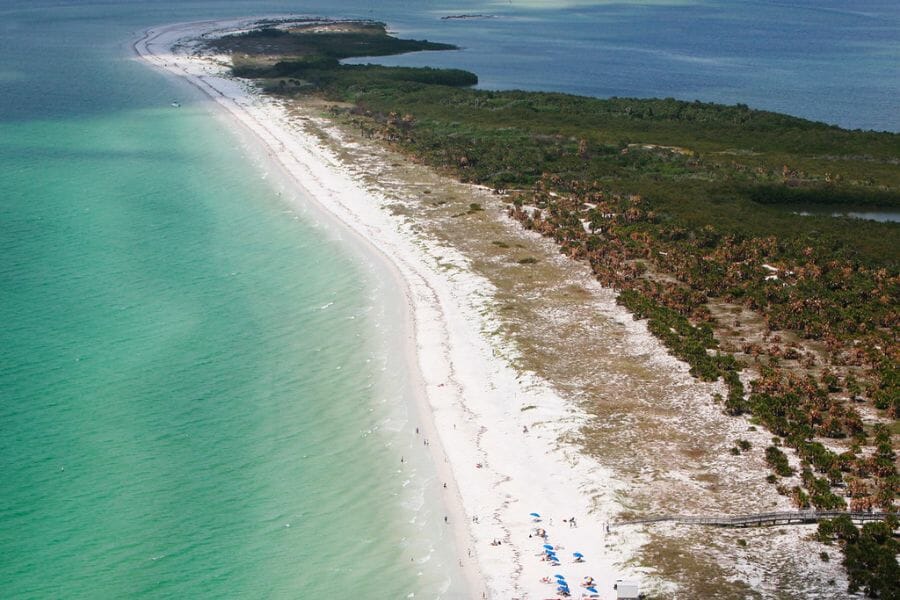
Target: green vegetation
[(324, 39), (870, 555), (293, 59), (778, 461), (683, 207), (686, 341)]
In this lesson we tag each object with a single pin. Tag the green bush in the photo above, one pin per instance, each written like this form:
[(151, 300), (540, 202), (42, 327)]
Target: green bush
[(778, 461)]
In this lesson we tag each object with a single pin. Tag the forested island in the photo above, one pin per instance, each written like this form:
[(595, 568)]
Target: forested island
[(690, 210)]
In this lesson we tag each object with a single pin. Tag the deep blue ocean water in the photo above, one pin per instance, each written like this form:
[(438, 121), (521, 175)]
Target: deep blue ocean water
[(825, 60), (200, 394)]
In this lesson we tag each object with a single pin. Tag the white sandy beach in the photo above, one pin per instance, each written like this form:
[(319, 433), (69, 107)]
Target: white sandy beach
[(470, 400)]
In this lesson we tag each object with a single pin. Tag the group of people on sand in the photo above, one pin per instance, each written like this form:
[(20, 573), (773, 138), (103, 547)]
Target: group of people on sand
[(549, 554), (588, 582)]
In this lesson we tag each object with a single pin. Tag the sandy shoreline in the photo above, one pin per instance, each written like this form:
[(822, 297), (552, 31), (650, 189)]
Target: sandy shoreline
[(469, 400)]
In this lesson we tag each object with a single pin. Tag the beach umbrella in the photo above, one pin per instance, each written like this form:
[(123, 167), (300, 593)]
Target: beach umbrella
[(592, 590), (535, 515), (578, 555), (548, 546), (558, 576)]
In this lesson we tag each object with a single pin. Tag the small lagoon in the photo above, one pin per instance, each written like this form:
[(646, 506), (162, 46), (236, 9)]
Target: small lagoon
[(865, 213)]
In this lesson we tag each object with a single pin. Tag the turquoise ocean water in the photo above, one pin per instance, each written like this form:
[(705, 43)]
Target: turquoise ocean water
[(201, 393), (193, 400)]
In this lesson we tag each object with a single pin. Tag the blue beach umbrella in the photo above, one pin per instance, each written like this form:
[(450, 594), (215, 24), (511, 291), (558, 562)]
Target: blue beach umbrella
[(592, 590), (548, 546), (578, 555), (558, 576), (535, 515)]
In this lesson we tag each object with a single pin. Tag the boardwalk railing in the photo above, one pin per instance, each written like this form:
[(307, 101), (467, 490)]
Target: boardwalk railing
[(757, 520)]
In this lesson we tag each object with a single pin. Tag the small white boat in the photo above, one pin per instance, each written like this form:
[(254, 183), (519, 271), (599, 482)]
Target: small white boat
[(176, 105)]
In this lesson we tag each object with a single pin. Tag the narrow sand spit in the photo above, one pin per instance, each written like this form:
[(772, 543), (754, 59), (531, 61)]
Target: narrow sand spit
[(470, 401)]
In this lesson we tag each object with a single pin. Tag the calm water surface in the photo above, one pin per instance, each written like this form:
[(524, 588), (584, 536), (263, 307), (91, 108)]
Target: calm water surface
[(884, 215), (194, 390)]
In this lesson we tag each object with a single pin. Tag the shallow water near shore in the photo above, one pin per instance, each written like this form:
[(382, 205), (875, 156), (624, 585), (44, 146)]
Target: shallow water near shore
[(199, 389), (201, 395)]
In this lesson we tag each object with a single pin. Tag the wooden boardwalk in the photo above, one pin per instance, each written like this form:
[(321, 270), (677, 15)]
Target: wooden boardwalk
[(757, 520)]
